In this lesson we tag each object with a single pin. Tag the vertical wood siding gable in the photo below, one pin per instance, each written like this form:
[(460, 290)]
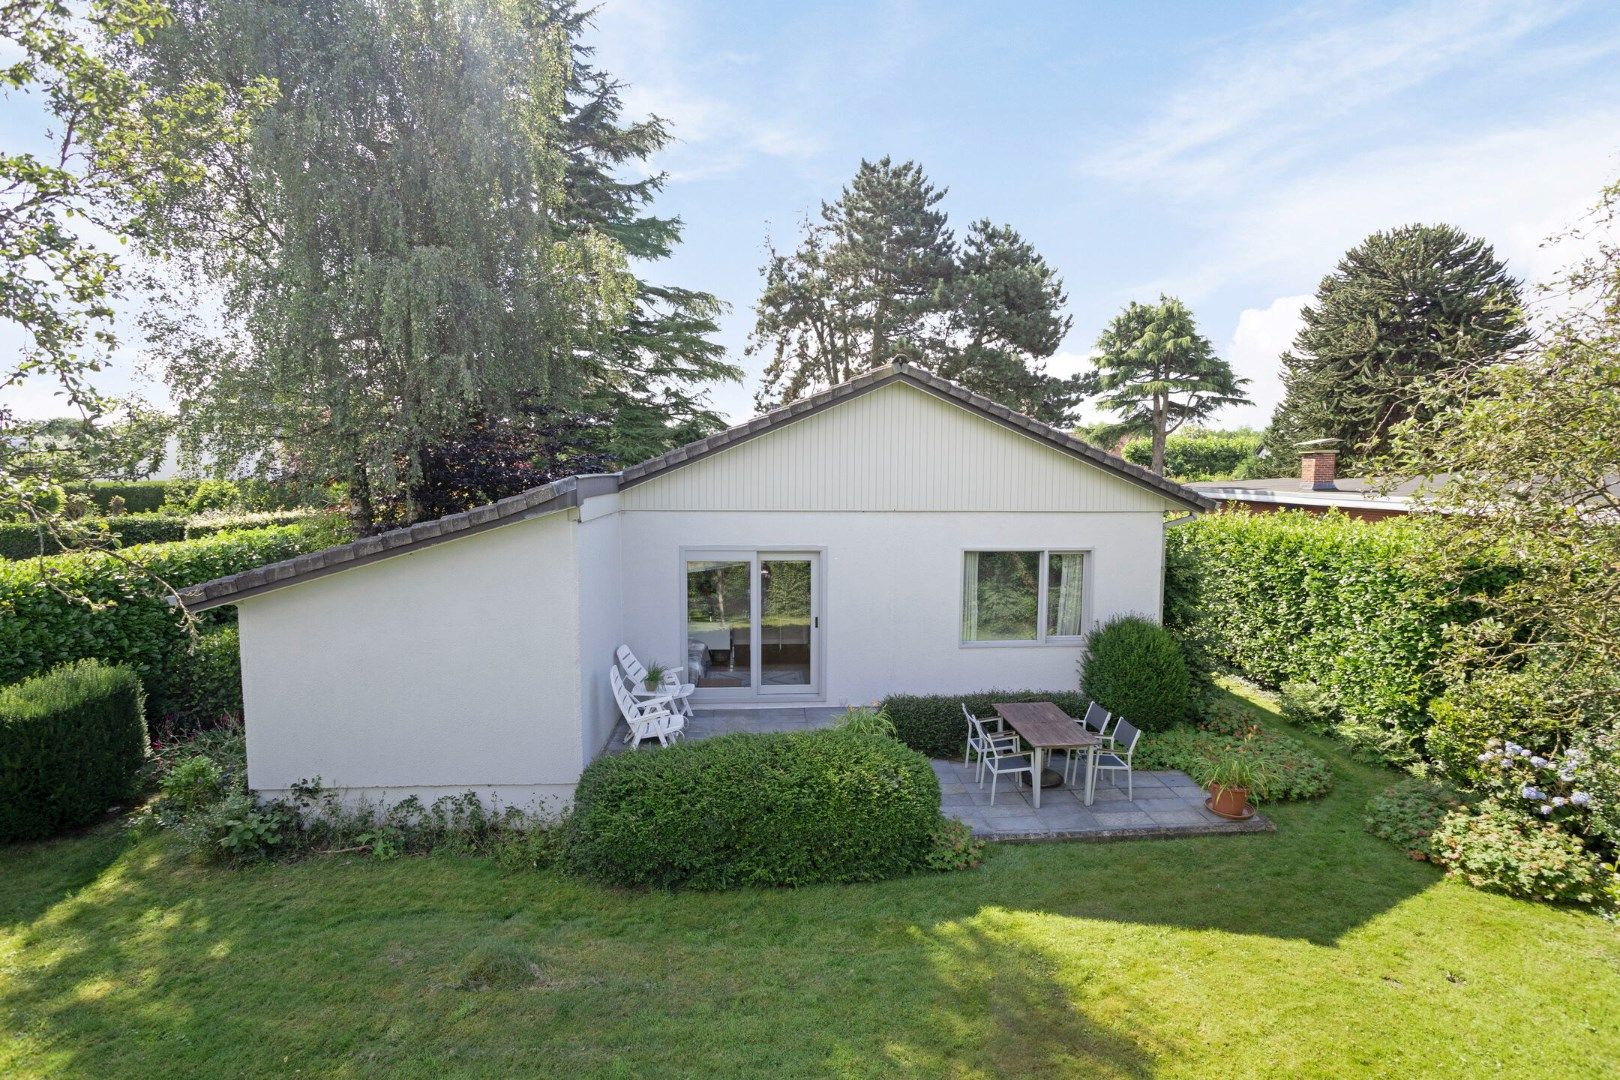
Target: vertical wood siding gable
[(894, 449)]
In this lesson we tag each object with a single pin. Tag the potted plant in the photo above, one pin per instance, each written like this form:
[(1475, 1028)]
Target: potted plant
[(1230, 777), (655, 676)]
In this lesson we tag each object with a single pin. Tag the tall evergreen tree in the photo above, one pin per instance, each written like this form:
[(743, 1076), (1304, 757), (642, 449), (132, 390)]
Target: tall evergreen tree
[(1005, 320), (880, 276), (1417, 301), (648, 378), (1158, 372)]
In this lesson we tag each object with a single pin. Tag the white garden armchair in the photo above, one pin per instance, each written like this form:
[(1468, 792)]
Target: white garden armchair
[(635, 674), (647, 718)]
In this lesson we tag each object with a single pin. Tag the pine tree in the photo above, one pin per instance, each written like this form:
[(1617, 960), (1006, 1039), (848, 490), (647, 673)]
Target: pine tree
[(1005, 319), (880, 277), (1158, 372), (1414, 302), (649, 375)]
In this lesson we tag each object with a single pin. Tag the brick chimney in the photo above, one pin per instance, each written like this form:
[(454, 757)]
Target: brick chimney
[(1318, 464)]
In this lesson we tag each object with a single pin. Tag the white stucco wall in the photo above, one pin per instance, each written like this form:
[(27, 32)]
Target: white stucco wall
[(455, 667), (602, 616), (892, 588)]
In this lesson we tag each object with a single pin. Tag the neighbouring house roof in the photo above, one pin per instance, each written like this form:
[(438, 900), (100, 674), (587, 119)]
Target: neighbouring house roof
[(1349, 492), (570, 492)]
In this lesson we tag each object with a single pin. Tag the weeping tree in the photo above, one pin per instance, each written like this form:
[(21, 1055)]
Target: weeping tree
[(393, 249), (880, 276), (1158, 372)]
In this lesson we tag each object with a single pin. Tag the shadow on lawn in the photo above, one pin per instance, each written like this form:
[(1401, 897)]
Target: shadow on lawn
[(36, 876)]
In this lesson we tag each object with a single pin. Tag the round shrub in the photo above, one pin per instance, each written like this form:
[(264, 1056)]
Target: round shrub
[(783, 809), (933, 724), (72, 742), (1502, 850), (1134, 668)]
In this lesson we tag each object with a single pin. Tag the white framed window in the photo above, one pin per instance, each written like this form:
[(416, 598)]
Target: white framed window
[(1029, 597)]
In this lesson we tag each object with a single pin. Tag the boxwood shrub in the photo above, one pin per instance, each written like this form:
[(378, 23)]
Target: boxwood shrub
[(1134, 668), (72, 742), (749, 809), (932, 724), (93, 604)]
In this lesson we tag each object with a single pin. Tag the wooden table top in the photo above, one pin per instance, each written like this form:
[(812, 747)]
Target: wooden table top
[(1043, 724)]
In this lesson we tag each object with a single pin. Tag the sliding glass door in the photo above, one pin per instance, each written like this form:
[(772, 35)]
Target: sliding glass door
[(753, 625)]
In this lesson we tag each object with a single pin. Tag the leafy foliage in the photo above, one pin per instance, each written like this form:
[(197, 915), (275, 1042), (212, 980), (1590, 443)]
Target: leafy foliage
[(1283, 768), (739, 810), (1407, 813), (1158, 372), (1193, 454), (112, 606), (879, 277), (72, 742), (933, 724), (1323, 599), (200, 684), (1413, 302), (493, 457), (390, 239), (1498, 848), (119, 146), (1134, 668)]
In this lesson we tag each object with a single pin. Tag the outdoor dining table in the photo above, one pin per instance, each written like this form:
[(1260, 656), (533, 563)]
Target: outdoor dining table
[(1044, 727)]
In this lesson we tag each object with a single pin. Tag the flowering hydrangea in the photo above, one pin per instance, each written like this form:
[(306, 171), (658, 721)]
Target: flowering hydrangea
[(1546, 781)]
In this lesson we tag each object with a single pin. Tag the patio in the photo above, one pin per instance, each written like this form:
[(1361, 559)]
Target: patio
[(1167, 803)]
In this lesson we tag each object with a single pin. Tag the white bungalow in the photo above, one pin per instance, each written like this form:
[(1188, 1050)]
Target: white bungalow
[(894, 533)]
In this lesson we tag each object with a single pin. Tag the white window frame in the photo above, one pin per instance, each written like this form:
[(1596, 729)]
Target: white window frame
[(1042, 639)]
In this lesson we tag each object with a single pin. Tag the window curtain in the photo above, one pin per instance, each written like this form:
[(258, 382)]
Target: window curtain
[(970, 597), (1067, 622)]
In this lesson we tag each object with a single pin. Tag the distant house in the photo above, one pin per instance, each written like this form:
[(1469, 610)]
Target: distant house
[(1317, 489), (893, 533)]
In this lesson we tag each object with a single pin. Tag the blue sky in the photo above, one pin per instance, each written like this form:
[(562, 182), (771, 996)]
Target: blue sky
[(1226, 153)]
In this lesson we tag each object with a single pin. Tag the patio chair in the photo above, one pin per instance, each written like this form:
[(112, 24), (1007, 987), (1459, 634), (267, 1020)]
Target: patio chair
[(1096, 722), (979, 736), (1002, 761), (647, 718), (672, 687), (1118, 756)]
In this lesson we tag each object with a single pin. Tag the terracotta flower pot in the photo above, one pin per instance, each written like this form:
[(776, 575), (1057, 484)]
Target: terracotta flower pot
[(1230, 802)]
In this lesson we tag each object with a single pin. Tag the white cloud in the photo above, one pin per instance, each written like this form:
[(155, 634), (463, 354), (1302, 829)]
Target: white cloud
[(1262, 335), (646, 44), (1263, 98)]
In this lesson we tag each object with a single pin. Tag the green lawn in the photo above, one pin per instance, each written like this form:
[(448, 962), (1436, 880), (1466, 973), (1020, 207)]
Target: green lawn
[(1315, 951)]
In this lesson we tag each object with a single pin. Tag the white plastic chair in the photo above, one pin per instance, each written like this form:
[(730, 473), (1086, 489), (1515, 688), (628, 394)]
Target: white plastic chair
[(635, 674), (1001, 761), (979, 737), (1118, 756), (647, 718)]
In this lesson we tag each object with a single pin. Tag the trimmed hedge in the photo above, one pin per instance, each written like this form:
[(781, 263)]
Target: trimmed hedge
[(932, 724), (69, 607), (739, 810), (1195, 454), (1134, 668), (199, 684), (140, 496), (1293, 597), (21, 540), (72, 743)]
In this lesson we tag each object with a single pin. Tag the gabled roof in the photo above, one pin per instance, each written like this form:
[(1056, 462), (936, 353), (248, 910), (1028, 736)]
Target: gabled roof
[(571, 491)]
